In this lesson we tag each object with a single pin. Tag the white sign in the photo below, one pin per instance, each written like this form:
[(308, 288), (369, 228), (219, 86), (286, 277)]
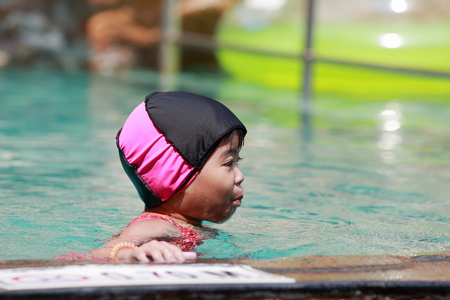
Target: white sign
[(133, 275)]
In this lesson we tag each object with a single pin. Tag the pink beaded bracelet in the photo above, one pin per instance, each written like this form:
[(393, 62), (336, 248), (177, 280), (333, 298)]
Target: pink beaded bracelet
[(117, 247)]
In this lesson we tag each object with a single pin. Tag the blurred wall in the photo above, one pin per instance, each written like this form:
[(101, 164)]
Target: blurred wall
[(100, 35), (43, 33)]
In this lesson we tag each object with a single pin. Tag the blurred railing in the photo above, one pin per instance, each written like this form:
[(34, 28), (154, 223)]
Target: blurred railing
[(172, 36)]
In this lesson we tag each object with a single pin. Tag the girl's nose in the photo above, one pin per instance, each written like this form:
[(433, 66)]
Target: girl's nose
[(238, 176)]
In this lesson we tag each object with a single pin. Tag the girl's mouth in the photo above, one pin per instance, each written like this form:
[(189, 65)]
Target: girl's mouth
[(238, 201)]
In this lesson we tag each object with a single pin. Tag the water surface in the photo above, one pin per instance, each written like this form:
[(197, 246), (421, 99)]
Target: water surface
[(367, 178)]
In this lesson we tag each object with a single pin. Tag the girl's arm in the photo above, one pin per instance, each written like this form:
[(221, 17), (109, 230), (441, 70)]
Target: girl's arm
[(139, 243)]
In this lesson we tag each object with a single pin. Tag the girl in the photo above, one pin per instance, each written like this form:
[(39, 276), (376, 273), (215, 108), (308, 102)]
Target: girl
[(181, 151)]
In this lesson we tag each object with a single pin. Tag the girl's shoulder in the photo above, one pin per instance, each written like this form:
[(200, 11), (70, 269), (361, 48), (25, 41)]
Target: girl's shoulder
[(151, 226), (150, 217)]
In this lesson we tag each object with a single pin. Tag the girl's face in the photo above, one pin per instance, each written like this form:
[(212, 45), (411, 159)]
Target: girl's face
[(216, 192)]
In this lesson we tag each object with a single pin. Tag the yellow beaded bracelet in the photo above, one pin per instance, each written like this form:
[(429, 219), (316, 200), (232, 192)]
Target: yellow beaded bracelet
[(117, 247)]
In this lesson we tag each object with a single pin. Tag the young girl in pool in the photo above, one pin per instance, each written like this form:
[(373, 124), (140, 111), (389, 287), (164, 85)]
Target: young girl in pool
[(181, 151)]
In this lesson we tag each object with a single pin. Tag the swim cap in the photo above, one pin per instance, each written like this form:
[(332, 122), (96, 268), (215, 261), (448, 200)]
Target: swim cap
[(168, 138)]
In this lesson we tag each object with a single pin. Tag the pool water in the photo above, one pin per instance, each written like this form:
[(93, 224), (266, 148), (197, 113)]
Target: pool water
[(369, 178)]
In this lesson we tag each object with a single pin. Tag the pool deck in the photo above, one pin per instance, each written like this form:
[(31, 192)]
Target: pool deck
[(324, 277)]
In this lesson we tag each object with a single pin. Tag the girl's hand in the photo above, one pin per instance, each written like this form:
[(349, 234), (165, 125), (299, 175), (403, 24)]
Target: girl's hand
[(157, 252)]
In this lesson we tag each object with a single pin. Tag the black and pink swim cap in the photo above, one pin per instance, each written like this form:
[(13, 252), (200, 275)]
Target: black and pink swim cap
[(168, 138)]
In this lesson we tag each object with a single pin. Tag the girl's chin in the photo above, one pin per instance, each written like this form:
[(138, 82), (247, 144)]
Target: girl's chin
[(227, 216)]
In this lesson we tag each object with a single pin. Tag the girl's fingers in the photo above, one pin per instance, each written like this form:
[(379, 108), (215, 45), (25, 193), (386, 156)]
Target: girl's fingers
[(189, 255), (155, 255), (163, 252), (172, 255), (140, 256)]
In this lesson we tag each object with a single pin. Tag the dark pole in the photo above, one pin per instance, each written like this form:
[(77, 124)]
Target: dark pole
[(308, 58), (168, 50)]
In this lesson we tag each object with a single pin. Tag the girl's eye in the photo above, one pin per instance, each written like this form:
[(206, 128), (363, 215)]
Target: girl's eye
[(231, 162)]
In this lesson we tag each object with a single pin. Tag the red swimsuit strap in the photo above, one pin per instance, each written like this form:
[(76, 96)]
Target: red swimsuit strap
[(152, 216)]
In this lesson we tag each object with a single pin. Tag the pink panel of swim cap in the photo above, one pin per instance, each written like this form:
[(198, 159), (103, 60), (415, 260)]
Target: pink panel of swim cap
[(157, 162)]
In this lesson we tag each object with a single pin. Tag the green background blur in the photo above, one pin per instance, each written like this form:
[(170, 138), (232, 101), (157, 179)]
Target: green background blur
[(355, 38)]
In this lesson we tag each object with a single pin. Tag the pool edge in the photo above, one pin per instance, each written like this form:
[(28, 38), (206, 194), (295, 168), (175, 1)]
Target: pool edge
[(345, 277)]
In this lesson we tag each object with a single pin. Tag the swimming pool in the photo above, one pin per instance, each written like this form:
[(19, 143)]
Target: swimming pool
[(369, 178)]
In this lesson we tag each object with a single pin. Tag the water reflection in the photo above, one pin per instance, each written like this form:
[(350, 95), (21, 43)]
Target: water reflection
[(390, 137), (391, 118)]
